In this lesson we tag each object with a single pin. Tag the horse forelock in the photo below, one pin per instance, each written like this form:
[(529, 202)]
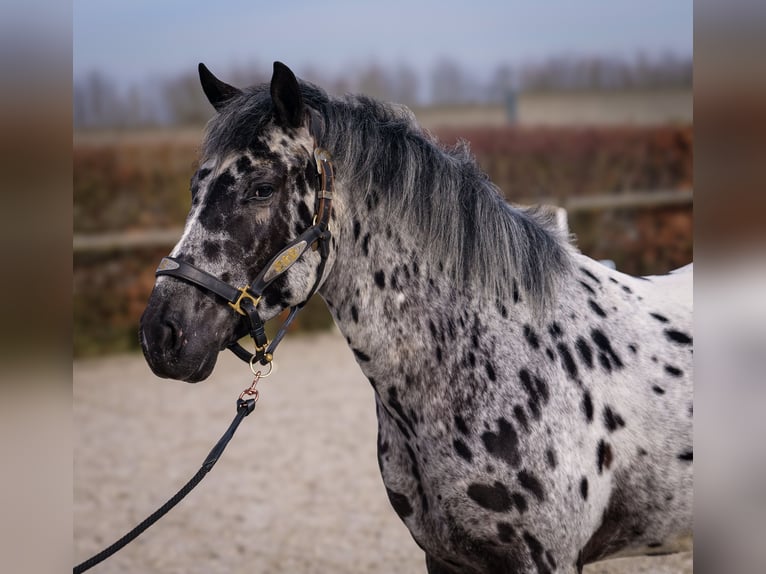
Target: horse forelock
[(383, 155)]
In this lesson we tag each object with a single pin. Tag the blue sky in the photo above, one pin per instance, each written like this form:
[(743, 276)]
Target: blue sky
[(136, 40)]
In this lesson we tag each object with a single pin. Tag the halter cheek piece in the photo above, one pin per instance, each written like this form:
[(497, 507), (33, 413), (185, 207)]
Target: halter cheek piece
[(244, 300)]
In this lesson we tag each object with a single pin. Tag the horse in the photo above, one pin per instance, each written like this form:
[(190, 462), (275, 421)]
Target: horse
[(534, 406)]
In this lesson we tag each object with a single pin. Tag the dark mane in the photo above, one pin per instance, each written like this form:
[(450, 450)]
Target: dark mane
[(383, 155)]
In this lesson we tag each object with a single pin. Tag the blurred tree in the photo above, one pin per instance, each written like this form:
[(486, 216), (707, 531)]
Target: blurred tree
[(185, 100), (448, 84), (97, 103), (501, 84), (404, 85), (374, 81)]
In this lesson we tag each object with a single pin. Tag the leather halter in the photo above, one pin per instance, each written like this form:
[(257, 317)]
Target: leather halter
[(244, 300)]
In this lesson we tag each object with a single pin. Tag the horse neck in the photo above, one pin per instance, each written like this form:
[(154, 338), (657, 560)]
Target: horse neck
[(395, 305)]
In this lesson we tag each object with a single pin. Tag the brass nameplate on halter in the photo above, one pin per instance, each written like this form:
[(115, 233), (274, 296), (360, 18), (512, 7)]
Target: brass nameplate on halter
[(284, 261), (244, 294)]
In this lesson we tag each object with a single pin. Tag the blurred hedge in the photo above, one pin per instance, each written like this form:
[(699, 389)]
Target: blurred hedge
[(137, 182)]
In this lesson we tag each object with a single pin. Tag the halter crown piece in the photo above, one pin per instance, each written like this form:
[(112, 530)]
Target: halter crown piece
[(244, 300)]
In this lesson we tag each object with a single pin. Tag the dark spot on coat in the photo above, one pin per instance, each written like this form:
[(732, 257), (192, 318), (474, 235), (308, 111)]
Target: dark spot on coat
[(551, 561), (591, 275), (584, 351), (673, 371), (203, 173), (504, 532), (400, 503), (532, 484), (659, 390), (550, 354), (515, 289), (587, 287), (584, 488), (660, 318), (678, 337), (393, 401), (366, 244), (536, 551), (555, 330), (612, 420), (305, 214), (520, 502), (587, 406), (211, 250), (521, 416), (604, 360), (361, 356), (276, 294), (550, 456), (602, 342), (687, 456), (357, 229), (380, 279), (354, 313), (537, 391), (472, 358), (627, 289), (596, 308), (462, 449), (566, 358), (460, 425), (633, 349), (491, 372), (244, 165), (494, 497), (603, 455), (504, 443), (531, 337)]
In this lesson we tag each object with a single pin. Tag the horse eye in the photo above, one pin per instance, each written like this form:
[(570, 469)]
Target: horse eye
[(260, 192)]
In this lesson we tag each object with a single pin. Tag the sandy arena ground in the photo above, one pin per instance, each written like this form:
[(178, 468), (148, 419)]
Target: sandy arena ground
[(298, 489)]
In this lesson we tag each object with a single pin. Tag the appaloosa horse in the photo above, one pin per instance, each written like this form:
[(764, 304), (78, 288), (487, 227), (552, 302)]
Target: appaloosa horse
[(534, 407)]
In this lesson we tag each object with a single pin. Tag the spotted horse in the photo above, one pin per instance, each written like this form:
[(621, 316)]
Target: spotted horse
[(534, 406)]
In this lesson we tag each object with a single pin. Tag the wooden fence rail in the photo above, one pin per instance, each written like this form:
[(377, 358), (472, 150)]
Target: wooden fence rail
[(155, 238)]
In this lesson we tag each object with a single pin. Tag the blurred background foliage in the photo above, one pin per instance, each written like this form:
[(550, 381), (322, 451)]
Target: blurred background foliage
[(555, 132), (100, 100)]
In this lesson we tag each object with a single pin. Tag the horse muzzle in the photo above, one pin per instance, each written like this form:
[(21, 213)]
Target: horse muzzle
[(172, 346)]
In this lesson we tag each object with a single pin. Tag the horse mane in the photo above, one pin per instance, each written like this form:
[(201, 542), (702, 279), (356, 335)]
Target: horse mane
[(382, 154)]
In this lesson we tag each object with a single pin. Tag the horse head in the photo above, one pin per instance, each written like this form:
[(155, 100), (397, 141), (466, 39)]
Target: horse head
[(256, 191)]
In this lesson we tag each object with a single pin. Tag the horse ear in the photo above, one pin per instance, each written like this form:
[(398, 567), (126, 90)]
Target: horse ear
[(217, 92), (286, 96)]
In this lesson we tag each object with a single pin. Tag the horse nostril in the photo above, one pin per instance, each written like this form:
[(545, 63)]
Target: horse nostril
[(170, 335)]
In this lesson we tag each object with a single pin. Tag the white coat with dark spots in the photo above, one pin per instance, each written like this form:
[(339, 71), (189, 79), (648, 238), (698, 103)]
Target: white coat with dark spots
[(534, 407)]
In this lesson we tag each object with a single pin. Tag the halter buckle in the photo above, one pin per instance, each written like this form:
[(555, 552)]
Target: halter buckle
[(244, 294)]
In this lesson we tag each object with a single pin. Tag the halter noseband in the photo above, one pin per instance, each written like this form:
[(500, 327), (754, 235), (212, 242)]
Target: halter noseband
[(244, 300)]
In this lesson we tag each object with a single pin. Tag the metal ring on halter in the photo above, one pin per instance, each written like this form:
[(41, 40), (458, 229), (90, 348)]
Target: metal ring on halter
[(258, 372)]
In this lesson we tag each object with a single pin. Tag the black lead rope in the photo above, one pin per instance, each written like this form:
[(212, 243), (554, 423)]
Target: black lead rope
[(244, 408)]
